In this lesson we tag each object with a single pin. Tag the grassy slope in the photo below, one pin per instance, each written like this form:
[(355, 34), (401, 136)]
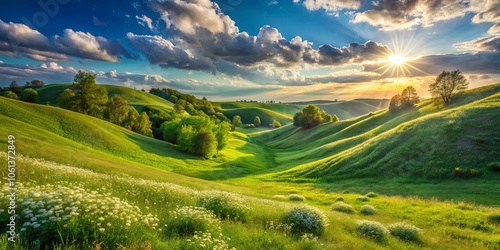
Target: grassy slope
[(49, 94)]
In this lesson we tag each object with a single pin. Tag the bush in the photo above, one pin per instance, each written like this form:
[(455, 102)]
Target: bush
[(342, 207), (405, 232), (185, 221), (10, 94), (494, 166), (373, 230), (225, 205), (306, 219), (251, 125), (340, 198), (29, 95), (371, 194), (494, 219), (457, 172), (296, 197), (362, 198), (367, 210)]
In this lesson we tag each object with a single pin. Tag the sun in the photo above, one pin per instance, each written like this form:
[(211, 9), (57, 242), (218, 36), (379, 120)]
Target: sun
[(396, 59)]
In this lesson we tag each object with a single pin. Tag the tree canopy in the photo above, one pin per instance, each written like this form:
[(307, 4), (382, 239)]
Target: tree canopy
[(407, 98), (90, 98), (448, 84), (311, 116), (29, 95)]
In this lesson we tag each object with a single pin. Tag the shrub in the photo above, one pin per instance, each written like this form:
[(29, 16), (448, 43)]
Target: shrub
[(342, 207), (494, 219), (225, 205), (373, 230), (251, 125), (296, 197), (371, 194), (457, 172), (362, 198), (185, 221), (367, 210), (494, 166), (10, 94), (340, 198), (405, 232), (29, 95), (306, 219)]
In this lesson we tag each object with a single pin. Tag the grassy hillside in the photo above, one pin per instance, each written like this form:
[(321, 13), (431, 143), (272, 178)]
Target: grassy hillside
[(132, 177), (427, 141), (136, 98)]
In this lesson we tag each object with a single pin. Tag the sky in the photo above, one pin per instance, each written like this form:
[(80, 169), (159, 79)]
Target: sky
[(225, 50)]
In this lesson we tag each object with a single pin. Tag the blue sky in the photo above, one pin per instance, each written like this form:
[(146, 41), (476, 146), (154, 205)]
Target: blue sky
[(284, 50)]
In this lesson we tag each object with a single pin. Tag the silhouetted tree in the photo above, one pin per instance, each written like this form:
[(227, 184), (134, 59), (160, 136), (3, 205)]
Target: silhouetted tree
[(395, 102), (447, 84), (407, 98), (14, 87), (37, 83)]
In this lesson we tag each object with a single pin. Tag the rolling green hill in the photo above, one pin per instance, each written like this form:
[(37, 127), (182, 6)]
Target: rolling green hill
[(136, 98), (427, 141)]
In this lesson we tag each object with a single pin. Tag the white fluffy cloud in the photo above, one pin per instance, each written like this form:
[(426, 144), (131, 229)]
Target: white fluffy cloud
[(145, 21), (19, 39), (333, 6)]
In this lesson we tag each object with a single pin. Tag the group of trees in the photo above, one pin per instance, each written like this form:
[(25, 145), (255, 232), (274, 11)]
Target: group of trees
[(88, 98), (311, 116), (407, 98), (26, 93), (199, 135)]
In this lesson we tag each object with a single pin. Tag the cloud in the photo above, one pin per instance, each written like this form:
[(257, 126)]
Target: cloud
[(145, 21), (45, 71), (495, 29), (491, 44), (487, 11), (401, 15), (477, 63), (272, 2), (333, 6), (19, 39)]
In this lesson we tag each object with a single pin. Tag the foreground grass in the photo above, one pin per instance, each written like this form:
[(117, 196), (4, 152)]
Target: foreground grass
[(444, 224)]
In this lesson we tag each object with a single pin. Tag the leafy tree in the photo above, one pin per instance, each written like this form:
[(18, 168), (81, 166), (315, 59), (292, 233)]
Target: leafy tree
[(297, 119), (130, 119), (67, 100), (186, 137), (10, 94), (222, 134), (118, 110), (90, 98), (395, 102), (37, 83), (256, 121), (205, 144), (14, 87), (236, 122), (335, 118), (29, 95), (311, 116), (169, 130), (409, 96), (276, 124), (326, 117), (143, 125), (447, 84)]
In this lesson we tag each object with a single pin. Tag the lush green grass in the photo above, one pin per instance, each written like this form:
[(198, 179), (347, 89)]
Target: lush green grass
[(266, 116)]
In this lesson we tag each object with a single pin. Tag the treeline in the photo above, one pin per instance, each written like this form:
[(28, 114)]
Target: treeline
[(88, 98), (25, 93)]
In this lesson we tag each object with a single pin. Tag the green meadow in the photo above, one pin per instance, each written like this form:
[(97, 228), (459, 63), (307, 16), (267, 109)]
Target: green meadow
[(374, 180)]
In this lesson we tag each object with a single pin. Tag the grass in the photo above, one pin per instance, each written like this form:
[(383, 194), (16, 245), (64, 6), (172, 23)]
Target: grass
[(257, 173)]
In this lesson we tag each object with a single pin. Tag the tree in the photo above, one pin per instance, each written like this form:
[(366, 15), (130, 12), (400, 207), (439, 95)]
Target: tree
[(311, 116), (10, 94), (130, 119), (256, 121), (395, 102), (185, 140), (236, 122), (335, 118), (143, 125), (222, 134), (205, 144), (326, 117), (29, 95), (447, 84), (90, 98), (14, 87), (67, 100), (297, 119), (276, 124), (37, 83), (409, 96), (118, 109)]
